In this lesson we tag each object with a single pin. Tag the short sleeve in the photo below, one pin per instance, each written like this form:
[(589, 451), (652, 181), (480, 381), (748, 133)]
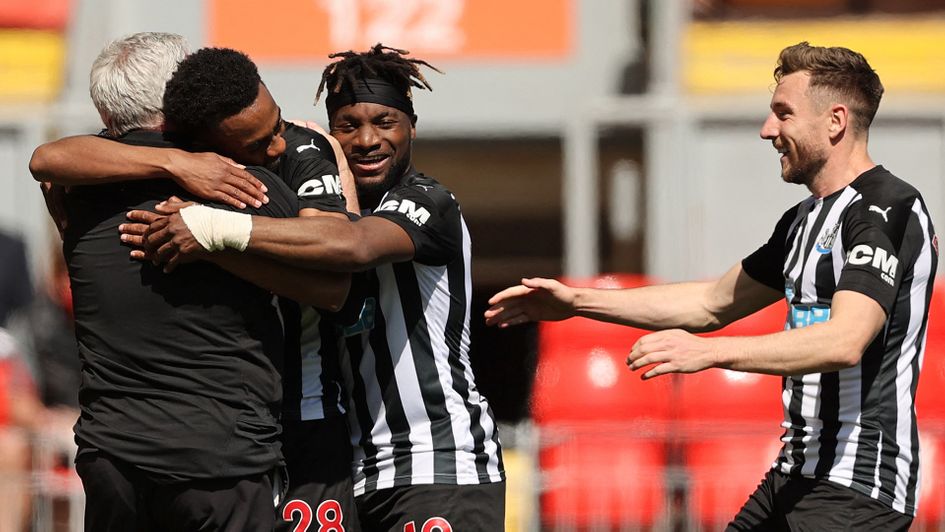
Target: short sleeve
[(766, 264), (310, 170), (431, 217), (317, 185), (872, 267)]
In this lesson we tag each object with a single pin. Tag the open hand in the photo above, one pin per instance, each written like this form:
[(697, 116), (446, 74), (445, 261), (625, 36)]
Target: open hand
[(534, 300), (217, 178), (671, 351)]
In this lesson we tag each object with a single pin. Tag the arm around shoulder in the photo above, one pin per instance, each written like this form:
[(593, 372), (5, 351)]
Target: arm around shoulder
[(88, 159)]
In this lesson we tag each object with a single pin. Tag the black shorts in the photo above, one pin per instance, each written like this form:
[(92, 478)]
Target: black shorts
[(782, 502), (318, 462), (119, 498), (434, 508)]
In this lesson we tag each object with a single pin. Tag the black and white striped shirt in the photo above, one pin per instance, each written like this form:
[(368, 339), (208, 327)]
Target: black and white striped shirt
[(311, 378), (416, 414), (856, 427)]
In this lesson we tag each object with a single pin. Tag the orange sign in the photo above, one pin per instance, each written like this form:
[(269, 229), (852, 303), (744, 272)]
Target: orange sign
[(308, 30)]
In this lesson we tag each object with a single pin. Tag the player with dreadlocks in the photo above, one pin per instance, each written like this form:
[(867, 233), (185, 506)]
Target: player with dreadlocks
[(382, 77), (427, 452)]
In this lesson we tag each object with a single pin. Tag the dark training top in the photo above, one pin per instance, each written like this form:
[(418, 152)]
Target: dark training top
[(179, 371)]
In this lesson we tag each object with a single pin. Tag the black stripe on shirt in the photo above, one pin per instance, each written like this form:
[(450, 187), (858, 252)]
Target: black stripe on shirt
[(428, 377), (395, 417), (456, 272)]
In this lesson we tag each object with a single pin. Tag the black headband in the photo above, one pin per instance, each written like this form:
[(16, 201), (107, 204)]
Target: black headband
[(371, 90)]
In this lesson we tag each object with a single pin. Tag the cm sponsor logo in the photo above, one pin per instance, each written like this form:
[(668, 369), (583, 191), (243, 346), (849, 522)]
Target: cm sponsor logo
[(878, 258), (320, 186), (414, 212)]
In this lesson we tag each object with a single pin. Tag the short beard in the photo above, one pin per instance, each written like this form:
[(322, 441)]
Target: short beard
[(805, 173), (370, 194)]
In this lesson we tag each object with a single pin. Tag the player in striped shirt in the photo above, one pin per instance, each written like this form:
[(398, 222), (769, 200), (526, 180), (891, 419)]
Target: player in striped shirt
[(855, 261), (427, 453)]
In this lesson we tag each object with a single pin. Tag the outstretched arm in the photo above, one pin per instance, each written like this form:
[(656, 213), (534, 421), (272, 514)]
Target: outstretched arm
[(695, 306), (89, 160), (838, 343)]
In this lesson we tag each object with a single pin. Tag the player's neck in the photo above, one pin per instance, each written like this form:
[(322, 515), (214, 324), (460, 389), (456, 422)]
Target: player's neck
[(841, 170)]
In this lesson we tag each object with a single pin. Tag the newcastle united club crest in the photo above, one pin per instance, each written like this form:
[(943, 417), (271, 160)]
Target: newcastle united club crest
[(827, 238)]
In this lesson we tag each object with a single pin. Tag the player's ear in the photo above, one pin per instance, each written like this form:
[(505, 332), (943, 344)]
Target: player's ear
[(838, 120)]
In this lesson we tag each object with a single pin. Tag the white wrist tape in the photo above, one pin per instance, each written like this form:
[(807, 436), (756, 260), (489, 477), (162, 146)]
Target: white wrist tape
[(216, 229)]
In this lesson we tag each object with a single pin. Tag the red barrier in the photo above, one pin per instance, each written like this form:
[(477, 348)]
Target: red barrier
[(731, 424)]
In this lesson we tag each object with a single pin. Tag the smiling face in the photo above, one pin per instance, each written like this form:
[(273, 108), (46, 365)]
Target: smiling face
[(376, 140), (798, 127), (254, 135)]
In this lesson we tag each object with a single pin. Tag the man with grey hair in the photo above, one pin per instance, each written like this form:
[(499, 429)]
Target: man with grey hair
[(125, 80), (127, 84), (180, 387)]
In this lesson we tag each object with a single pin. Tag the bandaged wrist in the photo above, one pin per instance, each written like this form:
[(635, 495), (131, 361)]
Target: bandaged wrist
[(216, 229)]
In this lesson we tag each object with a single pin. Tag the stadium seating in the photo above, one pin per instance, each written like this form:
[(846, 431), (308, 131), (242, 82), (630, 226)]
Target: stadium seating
[(602, 429), (730, 425), (931, 510), (602, 479)]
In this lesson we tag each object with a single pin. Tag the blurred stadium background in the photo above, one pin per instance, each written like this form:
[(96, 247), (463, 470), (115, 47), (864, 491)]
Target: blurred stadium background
[(581, 137)]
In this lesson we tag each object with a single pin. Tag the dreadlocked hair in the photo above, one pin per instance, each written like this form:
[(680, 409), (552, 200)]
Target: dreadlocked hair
[(381, 62)]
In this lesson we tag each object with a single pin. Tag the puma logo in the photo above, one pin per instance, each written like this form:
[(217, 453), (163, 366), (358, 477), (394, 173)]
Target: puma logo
[(300, 149), (881, 212)]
